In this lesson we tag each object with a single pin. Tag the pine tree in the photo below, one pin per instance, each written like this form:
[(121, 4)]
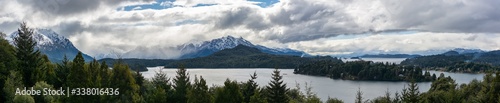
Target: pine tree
[(29, 58), (123, 79), (411, 94), (199, 92), (258, 97), (62, 72), (181, 86), (79, 77), (359, 96), (230, 93), (8, 62), (277, 89), (250, 88)]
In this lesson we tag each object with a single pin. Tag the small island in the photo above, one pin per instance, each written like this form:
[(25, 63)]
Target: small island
[(364, 70)]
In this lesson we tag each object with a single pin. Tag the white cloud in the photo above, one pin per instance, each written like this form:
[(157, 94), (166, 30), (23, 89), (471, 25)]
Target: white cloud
[(98, 26)]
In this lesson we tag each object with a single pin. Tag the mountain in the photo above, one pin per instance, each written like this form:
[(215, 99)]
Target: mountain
[(455, 56), (206, 48), (243, 56), (389, 56), (464, 51), (52, 44)]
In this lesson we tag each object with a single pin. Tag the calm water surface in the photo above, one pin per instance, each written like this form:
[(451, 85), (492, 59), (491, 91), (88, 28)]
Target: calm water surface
[(324, 87)]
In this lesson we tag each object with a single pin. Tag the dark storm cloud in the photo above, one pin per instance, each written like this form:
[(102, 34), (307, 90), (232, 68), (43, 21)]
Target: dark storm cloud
[(471, 16), (69, 7), (238, 16), (68, 29)]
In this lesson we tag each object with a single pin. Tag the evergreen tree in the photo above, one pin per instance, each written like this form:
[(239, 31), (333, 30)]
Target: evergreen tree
[(181, 86), (123, 79), (8, 62), (230, 93), (14, 80), (250, 88), (277, 89), (258, 97), (199, 92), (62, 72), (29, 58), (79, 77), (494, 90), (334, 100), (139, 80), (359, 96), (160, 80), (411, 94), (158, 96)]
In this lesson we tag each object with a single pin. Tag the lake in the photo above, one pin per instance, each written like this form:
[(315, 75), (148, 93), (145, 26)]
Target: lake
[(324, 87)]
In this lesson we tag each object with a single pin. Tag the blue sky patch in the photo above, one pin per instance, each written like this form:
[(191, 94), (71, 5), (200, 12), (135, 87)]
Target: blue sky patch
[(265, 3)]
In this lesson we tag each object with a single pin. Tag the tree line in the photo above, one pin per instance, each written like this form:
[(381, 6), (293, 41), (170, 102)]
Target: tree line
[(364, 70)]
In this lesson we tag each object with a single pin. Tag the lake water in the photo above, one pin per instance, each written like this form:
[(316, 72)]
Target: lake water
[(324, 87)]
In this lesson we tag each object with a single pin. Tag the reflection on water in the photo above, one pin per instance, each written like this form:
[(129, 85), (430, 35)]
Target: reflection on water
[(323, 86)]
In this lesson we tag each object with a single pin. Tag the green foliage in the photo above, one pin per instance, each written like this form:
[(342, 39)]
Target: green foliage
[(230, 93), (310, 96), (359, 96), (443, 84), (14, 80), (411, 94), (362, 70), (123, 79), (334, 100), (238, 57), (23, 99), (8, 62), (79, 77), (45, 98), (199, 92), (250, 88), (277, 89), (181, 87), (258, 97), (30, 59)]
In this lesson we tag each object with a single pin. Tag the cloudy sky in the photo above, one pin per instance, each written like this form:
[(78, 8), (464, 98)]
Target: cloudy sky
[(322, 27)]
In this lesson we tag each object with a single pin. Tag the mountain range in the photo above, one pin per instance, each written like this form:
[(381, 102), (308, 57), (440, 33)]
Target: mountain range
[(455, 56), (241, 56), (193, 50), (52, 44)]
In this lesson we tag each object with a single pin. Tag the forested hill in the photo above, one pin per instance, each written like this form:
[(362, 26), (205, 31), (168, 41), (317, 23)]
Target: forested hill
[(389, 56), (240, 56), (243, 56), (454, 61)]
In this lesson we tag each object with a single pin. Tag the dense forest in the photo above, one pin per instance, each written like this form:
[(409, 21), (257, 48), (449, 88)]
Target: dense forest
[(389, 56), (243, 56), (240, 56), (453, 62), (364, 70), (23, 66)]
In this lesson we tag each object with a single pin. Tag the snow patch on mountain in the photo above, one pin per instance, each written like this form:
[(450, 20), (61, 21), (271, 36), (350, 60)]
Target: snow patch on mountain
[(52, 44)]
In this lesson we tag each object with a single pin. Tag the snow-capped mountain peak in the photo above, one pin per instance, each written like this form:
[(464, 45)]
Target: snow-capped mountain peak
[(205, 48), (52, 44)]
